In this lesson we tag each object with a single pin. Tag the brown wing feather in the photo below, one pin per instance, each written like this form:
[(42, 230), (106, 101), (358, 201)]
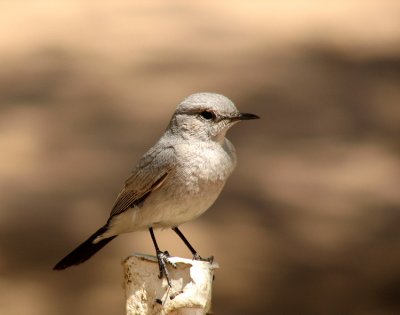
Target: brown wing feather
[(148, 176), (129, 198)]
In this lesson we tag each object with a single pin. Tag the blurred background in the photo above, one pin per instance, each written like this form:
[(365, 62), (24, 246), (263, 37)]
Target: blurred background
[(309, 223)]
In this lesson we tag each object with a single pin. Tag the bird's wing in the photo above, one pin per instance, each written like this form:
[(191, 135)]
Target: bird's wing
[(149, 175)]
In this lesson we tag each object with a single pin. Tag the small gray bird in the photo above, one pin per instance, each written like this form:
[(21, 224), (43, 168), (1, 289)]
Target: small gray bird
[(176, 180)]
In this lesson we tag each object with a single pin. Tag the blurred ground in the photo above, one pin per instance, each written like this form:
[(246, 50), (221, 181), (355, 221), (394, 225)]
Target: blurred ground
[(308, 223)]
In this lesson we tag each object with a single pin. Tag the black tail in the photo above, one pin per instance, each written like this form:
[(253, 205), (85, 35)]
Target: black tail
[(84, 251)]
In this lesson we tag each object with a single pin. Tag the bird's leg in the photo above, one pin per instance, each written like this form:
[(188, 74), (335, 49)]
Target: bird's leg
[(196, 256), (162, 258)]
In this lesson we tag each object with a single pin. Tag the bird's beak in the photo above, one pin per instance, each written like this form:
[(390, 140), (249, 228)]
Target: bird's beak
[(247, 116), (244, 116)]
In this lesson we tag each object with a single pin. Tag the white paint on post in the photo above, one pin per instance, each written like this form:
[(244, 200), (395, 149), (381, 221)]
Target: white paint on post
[(146, 294)]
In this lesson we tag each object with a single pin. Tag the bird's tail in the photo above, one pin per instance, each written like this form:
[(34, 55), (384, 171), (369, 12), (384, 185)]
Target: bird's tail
[(84, 251)]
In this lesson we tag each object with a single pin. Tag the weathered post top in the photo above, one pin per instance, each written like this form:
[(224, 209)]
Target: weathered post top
[(147, 294)]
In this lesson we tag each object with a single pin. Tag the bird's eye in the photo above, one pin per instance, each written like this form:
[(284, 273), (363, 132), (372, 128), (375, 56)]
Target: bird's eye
[(207, 115)]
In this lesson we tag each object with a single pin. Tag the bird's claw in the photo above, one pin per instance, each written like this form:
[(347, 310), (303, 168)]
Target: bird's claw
[(198, 257), (163, 260), (168, 261)]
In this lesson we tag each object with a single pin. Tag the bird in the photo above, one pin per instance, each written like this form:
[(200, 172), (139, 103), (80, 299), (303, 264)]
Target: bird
[(176, 181)]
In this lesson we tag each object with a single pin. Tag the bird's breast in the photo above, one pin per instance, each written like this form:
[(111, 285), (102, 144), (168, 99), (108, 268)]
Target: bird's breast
[(204, 166), (198, 179), (191, 187)]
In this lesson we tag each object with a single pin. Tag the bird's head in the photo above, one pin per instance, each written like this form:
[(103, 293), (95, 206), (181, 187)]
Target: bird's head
[(206, 116)]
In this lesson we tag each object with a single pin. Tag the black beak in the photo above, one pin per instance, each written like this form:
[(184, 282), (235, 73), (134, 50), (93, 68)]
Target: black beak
[(242, 116), (247, 116)]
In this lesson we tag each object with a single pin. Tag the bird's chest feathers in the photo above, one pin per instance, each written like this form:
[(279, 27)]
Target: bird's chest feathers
[(207, 166)]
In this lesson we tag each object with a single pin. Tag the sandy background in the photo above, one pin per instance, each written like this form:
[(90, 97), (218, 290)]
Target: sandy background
[(310, 221)]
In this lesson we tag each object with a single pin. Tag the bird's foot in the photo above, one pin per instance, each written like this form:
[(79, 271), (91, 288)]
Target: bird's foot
[(198, 257), (168, 261), (163, 260)]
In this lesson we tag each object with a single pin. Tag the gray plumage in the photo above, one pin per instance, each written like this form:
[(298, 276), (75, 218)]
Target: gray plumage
[(180, 177)]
